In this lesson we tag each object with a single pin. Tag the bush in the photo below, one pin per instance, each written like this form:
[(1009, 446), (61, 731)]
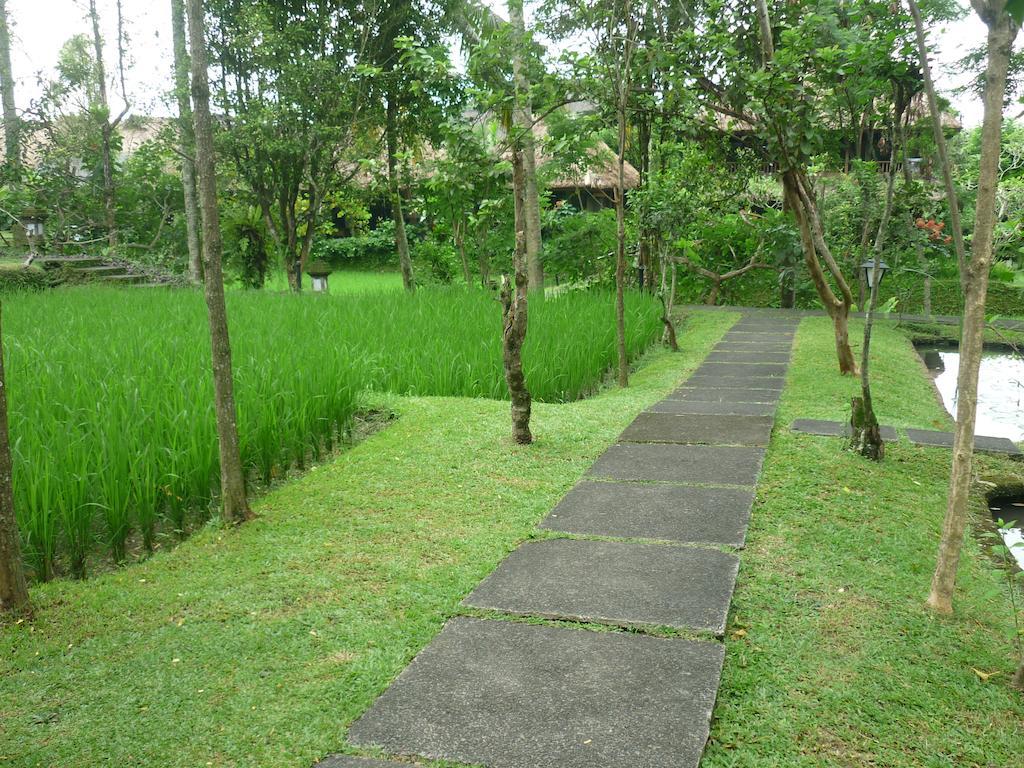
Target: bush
[(24, 279), (373, 249)]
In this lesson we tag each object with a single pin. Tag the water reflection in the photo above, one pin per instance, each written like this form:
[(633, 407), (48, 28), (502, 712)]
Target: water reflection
[(1000, 390)]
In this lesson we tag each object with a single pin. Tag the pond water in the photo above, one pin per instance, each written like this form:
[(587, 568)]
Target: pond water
[(1000, 389), (1011, 512), (1000, 414)]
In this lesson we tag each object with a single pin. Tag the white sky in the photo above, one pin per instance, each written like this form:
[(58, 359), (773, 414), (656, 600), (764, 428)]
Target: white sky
[(40, 28)]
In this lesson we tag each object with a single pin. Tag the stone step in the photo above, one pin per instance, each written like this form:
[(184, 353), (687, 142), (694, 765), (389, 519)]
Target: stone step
[(75, 262), (102, 270), (125, 279)]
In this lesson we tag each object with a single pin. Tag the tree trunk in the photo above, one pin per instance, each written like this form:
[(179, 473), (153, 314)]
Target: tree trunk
[(235, 506), (395, 192), (1001, 32), (106, 130), (459, 230), (867, 436), (514, 312), (812, 241), (712, 299), (13, 588), (940, 144), (620, 238), (799, 198), (1018, 678), (12, 138), (187, 140), (523, 123)]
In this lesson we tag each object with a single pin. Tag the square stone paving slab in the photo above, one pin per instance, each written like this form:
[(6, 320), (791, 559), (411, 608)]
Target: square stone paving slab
[(713, 368), (654, 511), (613, 582), (754, 346), (347, 761), (699, 429), (724, 394), (731, 356), (513, 695), (981, 442), (713, 407), (703, 464), (836, 429), (715, 380)]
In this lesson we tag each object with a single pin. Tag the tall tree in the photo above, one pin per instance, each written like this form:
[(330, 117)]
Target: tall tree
[(187, 139), (1002, 30), (524, 124), (945, 167), (108, 126), (622, 30), (13, 589), (292, 93), (234, 504), (12, 132), (514, 305)]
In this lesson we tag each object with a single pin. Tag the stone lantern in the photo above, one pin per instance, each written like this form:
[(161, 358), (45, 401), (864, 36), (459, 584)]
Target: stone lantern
[(318, 272)]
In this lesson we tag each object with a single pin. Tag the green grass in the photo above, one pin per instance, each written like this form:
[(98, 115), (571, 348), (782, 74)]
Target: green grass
[(344, 281), (840, 663), (257, 647), (111, 400)]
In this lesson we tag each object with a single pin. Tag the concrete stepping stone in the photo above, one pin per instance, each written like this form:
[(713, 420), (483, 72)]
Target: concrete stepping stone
[(759, 356), (715, 380), (981, 442), (660, 462), (667, 512), (700, 429), (347, 761), (754, 346), (765, 337), (718, 408), (724, 394), (613, 582), (512, 695), (836, 429), (742, 369)]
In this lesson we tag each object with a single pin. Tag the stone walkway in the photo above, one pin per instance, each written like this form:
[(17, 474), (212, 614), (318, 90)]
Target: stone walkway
[(648, 541)]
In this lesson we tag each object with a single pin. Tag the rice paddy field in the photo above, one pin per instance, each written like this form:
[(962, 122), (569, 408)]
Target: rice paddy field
[(111, 398)]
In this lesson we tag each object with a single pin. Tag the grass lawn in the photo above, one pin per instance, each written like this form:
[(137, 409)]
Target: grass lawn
[(838, 662), (344, 281), (257, 647)]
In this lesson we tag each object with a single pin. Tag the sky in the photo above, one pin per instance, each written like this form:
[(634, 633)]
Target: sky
[(40, 28)]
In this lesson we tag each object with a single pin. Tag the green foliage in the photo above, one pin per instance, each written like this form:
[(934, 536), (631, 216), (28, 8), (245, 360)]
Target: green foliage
[(579, 245), (373, 248), (112, 422), (247, 247)]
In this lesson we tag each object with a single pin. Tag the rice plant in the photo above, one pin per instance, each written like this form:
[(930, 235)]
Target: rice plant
[(111, 398)]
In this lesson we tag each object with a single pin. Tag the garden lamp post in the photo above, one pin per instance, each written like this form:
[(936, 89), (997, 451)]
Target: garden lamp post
[(874, 269), (318, 272)]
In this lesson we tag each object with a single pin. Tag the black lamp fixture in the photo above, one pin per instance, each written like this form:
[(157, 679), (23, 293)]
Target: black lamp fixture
[(874, 270)]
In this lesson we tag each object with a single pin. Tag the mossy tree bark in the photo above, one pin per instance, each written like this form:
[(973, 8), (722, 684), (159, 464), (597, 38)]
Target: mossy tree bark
[(13, 588), (234, 504), (523, 123), (395, 193), (12, 125), (623, 84), (867, 436), (187, 140), (514, 305), (1001, 33)]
